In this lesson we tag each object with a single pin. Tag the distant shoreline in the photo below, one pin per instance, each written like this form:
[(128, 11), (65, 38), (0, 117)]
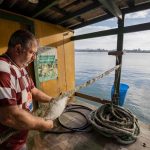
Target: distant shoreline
[(106, 51)]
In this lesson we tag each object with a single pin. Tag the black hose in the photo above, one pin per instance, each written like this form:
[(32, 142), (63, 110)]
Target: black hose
[(74, 108)]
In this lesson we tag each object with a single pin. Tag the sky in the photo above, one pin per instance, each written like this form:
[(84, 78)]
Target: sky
[(135, 40)]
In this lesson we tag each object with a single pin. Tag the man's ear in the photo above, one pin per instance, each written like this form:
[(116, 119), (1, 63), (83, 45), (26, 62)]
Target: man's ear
[(18, 49)]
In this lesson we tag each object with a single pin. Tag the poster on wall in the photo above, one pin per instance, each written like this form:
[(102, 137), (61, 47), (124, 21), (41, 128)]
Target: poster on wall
[(46, 64)]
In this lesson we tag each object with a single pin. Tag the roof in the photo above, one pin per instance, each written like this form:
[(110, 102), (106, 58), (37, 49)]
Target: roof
[(74, 14)]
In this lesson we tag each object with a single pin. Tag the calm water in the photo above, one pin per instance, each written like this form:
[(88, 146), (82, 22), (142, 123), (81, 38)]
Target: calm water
[(135, 73)]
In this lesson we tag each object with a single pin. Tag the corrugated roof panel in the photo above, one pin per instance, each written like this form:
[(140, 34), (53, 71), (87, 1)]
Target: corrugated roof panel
[(72, 12)]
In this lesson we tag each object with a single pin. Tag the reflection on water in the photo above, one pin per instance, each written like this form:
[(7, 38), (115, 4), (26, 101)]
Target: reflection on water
[(135, 73)]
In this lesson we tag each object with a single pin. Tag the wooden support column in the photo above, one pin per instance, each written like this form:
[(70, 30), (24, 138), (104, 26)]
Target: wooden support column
[(116, 95)]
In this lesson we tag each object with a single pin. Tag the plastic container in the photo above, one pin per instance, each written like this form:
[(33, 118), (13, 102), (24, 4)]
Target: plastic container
[(123, 92)]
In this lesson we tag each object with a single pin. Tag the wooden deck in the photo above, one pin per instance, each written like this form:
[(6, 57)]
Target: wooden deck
[(85, 141)]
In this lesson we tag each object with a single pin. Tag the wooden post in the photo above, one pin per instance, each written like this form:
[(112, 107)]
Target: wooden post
[(115, 98)]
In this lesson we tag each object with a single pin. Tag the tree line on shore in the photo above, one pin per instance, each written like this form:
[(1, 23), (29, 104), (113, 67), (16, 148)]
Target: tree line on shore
[(104, 50)]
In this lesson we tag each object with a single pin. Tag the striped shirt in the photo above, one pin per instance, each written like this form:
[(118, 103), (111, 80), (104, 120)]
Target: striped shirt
[(15, 89), (15, 84)]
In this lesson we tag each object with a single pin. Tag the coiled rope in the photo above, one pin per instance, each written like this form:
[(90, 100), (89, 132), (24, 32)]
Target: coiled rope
[(114, 121)]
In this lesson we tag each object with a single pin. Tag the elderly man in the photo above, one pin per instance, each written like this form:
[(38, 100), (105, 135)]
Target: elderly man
[(17, 90)]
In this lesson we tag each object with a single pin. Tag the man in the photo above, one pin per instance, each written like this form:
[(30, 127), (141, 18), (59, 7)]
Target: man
[(17, 90)]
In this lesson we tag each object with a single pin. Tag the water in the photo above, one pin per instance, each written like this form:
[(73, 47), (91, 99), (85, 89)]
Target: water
[(135, 73)]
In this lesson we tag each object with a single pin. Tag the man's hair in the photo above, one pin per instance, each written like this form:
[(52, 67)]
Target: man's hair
[(22, 37)]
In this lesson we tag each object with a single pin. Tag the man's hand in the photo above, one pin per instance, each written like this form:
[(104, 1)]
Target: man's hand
[(20, 119), (47, 125), (40, 96), (51, 99)]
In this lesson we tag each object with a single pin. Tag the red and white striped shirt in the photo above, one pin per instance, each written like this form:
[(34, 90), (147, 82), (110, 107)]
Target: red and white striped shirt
[(15, 89)]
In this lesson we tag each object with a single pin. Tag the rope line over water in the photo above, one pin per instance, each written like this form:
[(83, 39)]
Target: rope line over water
[(86, 84)]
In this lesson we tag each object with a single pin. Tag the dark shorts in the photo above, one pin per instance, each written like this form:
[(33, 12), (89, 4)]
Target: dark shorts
[(15, 142)]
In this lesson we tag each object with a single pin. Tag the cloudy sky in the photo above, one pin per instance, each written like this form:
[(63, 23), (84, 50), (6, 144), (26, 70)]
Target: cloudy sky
[(133, 40)]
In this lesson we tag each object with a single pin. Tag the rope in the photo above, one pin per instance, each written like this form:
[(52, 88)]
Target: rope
[(4, 136), (114, 121), (86, 84)]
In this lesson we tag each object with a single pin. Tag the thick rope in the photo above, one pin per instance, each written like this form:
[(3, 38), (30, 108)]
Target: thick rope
[(114, 121), (4, 136), (86, 84)]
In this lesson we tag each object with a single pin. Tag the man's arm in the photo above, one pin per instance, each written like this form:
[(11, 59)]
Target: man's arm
[(20, 119), (38, 95)]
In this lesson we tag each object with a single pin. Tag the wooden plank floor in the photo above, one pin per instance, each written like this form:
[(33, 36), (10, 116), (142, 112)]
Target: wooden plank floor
[(85, 141)]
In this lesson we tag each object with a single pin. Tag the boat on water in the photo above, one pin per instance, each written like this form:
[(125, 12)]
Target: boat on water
[(53, 23)]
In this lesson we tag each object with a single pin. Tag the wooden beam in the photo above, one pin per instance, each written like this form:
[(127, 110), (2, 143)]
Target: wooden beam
[(95, 34), (136, 8), (120, 35), (78, 13), (13, 3), (131, 3), (137, 28), (59, 10), (116, 53), (91, 98), (43, 6), (111, 6), (63, 12), (14, 17), (80, 19), (91, 21), (128, 29), (70, 3), (139, 7)]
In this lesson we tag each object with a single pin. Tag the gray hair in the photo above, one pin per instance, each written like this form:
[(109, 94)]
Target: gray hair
[(23, 37)]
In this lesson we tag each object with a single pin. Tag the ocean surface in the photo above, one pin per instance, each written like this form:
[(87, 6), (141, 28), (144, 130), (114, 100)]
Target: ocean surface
[(135, 73)]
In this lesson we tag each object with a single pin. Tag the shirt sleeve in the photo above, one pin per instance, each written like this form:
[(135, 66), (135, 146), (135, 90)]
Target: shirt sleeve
[(7, 89)]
